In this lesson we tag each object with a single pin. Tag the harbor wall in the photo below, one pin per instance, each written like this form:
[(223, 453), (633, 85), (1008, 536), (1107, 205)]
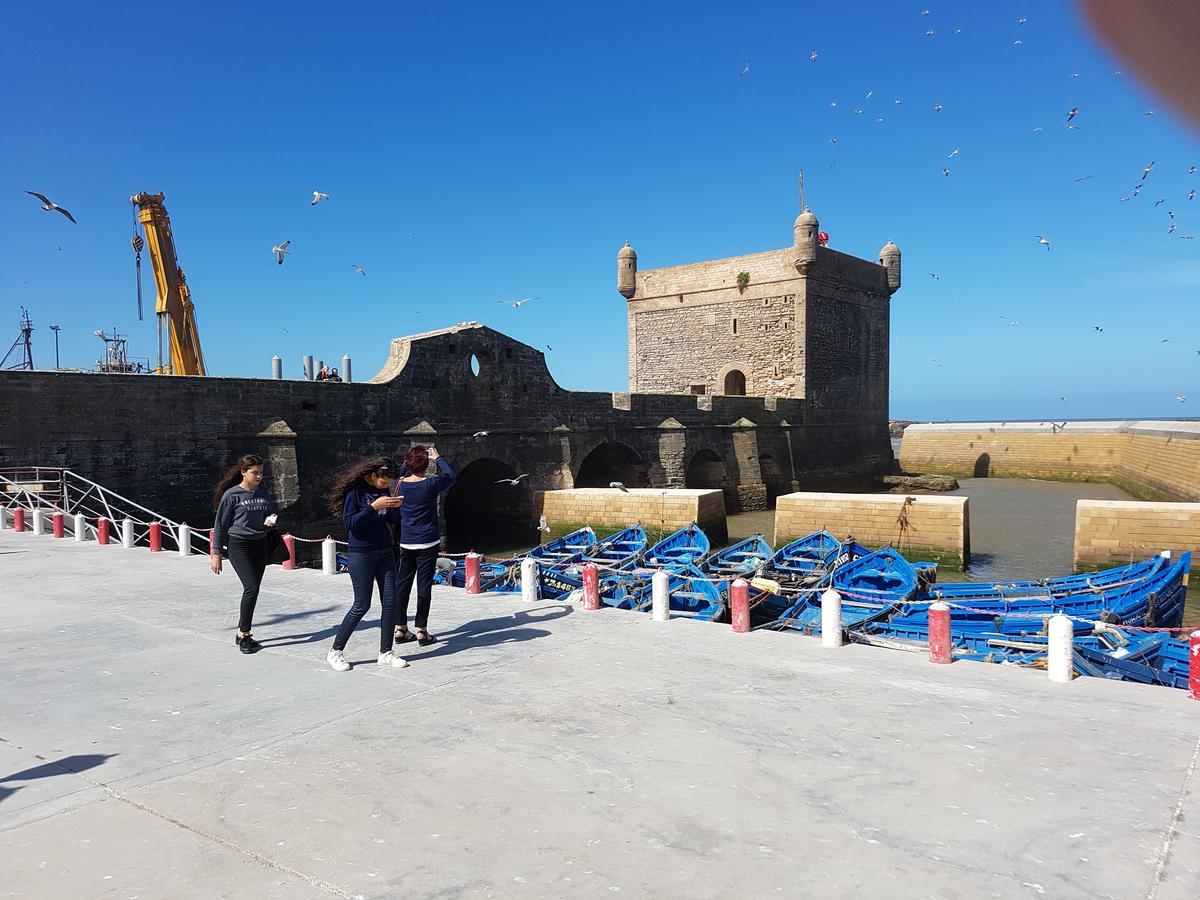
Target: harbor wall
[(609, 509), (1114, 532), (1151, 460), (922, 527)]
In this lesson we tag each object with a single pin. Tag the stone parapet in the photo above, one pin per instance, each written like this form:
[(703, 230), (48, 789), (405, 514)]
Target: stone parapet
[(1154, 460), (1114, 532), (923, 528), (658, 511)]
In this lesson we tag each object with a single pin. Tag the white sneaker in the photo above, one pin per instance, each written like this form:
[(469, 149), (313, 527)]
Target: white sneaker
[(391, 659), (337, 661)]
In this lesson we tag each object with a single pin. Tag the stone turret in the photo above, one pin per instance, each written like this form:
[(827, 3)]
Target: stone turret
[(627, 271), (889, 258), (805, 232)]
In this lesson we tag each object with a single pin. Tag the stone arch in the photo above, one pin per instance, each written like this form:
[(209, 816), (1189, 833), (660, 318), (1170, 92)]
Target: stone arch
[(706, 470), (482, 515), (772, 474), (612, 461), (734, 380)]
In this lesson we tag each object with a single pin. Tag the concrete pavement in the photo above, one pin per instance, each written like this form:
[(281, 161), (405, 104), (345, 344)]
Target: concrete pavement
[(544, 751)]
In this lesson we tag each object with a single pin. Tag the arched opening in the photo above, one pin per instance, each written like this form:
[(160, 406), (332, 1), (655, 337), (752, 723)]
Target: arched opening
[(611, 462), (735, 383), (772, 475), (474, 364), (485, 516), (706, 470)]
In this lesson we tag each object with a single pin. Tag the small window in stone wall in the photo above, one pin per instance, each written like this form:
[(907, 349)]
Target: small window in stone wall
[(508, 352), (735, 326), (698, 389), (451, 348)]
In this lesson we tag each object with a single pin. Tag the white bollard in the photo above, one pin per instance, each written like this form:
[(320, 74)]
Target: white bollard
[(1059, 663), (831, 619), (329, 556), (3, 518), (660, 593), (80, 527), (185, 539), (127, 533), (529, 580), (39, 522)]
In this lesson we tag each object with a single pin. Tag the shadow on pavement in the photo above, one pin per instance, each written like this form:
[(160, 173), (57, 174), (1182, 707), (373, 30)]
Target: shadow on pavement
[(68, 765)]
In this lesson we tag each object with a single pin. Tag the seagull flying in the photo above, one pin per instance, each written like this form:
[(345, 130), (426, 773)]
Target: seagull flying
[(953, 153), (813, 56), (281, 251), (1192, 194), (517, 304), (1159, 202), (50, 206), (1042, 240), (1171, 230), (1181, 398), (1191, 170), (318, 197), (618, 486), (543, 525), (1082, 178), (1098, 327), (935, 276), (1022, 20), (745, 68), (1072, 113), (479, 435), (929, 33), (937, 107), (945, 172), (512, 481), (1017, 43), (360, 270)]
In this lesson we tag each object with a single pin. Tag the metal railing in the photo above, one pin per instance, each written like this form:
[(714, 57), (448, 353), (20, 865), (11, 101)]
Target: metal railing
[(67, 492)]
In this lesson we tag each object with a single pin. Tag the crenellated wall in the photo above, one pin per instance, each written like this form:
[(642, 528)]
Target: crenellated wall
[(164, 440)]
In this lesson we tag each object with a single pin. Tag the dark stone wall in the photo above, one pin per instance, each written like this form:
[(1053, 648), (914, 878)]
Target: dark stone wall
[(163, 441)]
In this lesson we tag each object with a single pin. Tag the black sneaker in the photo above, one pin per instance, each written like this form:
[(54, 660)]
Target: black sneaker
[(247, 644)]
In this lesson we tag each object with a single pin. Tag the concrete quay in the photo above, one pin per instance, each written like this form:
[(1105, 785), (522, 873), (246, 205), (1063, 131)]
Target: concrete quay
[(543, 751)]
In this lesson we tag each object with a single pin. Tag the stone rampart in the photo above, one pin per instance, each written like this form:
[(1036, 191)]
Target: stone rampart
[(922, 527), (1114, 532), (657, 511), (1154, 460)]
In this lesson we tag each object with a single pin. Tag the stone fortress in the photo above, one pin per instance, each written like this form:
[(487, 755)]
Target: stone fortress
[(807, 333)]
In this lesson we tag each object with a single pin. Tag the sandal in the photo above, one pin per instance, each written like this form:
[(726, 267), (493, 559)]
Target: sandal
[(424, 637), (403, 636)]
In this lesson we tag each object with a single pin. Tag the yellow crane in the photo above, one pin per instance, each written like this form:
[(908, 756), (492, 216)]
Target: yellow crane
[(175, 311)]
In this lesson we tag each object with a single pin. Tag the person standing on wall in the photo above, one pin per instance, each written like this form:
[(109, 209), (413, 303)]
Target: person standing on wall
[(420, 537), (361, 495), (242, 524)]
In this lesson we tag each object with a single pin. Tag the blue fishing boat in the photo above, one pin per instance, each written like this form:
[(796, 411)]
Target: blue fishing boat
[(798, 562), (561, 578), (1051, 587), (693, 594), (741, 560), (1153, 601), (686, 547), (872, 586)]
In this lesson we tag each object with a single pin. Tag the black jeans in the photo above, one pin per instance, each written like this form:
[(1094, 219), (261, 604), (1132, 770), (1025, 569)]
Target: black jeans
[(249, 559), (368, 568), (418, 564)]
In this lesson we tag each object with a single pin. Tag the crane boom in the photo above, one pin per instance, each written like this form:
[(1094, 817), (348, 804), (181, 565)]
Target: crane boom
[(174, 310)]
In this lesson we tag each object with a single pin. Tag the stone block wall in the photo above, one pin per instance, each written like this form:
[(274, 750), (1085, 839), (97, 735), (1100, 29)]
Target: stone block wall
[(938, 528), (608, 510), (1116, 532), (1154, 460)]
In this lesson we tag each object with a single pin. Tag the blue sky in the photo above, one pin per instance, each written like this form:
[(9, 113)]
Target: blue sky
[(479, 153)]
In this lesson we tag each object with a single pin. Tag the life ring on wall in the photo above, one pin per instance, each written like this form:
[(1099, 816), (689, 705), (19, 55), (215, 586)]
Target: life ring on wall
[(823, 238)]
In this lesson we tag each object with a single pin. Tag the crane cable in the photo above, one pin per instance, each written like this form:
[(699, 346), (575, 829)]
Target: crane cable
[(138, 244)]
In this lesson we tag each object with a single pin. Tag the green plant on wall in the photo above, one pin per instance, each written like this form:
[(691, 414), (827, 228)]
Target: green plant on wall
[(743, 280)]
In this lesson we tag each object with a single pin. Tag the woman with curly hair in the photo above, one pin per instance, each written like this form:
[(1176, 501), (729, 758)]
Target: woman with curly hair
[(420, 536), (243, 519), (361, 495)]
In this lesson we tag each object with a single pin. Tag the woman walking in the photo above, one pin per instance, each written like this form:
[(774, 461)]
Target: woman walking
[(420, 537), (242, 521), (371, 514)]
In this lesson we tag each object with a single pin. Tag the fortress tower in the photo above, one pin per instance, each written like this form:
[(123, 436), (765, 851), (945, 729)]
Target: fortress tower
[(805, 321)]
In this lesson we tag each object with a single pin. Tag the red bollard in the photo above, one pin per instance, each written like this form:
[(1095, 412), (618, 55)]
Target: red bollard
[(739, 605), (102, 531), (19, 519), (591, 587), (56, 527), (155, 537), (1194, 665), (939, 633), (473, 572), (290, 543)]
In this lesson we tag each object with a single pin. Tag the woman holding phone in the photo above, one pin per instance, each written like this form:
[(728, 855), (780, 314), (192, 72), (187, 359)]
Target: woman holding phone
[(361, 495), (420, 536), (242, 522)]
